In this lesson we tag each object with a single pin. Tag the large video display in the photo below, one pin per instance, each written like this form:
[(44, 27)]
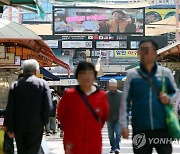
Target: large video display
[(97, 20)]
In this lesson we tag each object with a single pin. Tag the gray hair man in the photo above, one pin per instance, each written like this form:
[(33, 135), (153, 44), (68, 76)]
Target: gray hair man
[(114, 97), (28, 108)]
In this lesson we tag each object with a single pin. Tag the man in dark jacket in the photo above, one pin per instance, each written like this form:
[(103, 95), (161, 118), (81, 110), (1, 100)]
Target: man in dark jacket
[(114, 97), (28, 108)]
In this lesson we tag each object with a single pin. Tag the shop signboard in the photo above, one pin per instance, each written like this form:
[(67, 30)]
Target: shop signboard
[(9, 59), (52, 43), (125, 53), (107, 44), (76, 44), (103, 53), (2, 51)]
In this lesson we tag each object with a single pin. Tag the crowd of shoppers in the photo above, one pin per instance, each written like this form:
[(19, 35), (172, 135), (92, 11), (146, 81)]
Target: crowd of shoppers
[(83, 110)]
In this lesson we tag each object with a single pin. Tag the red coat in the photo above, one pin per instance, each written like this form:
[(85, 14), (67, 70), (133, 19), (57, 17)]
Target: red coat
[(82, 132)]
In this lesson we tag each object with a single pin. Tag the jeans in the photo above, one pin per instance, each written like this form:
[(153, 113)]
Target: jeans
[(146, 146), (114, 128), (51, 125)]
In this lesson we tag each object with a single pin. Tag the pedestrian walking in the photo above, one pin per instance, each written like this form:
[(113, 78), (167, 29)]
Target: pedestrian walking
[(113, 125), (82, 112), (148, 114), (51, 125), (28, 108)]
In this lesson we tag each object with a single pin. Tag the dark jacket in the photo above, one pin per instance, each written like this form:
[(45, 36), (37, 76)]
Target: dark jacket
[(114, 105), (53, 111), (29, 103)]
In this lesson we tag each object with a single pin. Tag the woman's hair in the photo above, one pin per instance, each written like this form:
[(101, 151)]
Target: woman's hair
[(82, 66)]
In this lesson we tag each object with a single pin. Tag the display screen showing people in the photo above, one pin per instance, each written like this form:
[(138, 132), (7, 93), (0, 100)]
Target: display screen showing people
[(98, 20)]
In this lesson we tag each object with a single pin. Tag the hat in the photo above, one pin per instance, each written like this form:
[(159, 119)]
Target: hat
[(113, 82), (51, 90)]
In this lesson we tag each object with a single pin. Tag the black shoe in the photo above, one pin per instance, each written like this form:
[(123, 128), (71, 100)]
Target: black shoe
[(117, 151), (48, 134), (112, 151)]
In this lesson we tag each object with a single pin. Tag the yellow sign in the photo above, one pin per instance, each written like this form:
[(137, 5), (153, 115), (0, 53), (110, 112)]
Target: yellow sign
[(40, 76), (125, 53)]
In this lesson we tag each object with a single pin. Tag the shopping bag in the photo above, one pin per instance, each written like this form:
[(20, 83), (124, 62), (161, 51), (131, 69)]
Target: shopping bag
[(172, 122), (1, 140)]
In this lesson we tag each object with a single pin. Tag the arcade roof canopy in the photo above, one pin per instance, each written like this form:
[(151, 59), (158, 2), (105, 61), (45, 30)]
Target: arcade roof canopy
[(16, 36), (171, 49), (31, 5), (164, 26)]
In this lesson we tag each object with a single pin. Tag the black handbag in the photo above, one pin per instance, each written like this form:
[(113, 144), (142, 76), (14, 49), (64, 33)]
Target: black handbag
[(8, 144)]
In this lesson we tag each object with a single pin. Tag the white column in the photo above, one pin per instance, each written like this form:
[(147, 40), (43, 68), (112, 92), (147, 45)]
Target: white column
[(177, 20)]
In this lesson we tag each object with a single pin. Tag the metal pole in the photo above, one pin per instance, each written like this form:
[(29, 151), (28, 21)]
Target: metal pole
[(177, 20)]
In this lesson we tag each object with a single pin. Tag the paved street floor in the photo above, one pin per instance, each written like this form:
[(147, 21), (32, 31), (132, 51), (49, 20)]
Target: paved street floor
[(55, 144)]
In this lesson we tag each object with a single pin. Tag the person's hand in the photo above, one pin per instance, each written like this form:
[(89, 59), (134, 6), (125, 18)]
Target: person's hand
[(125, 133), (11, 134), (164, 98)]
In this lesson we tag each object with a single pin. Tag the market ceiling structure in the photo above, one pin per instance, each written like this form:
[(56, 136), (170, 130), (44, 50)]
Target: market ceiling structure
[(31, 5), (25, 43), (103, 3)]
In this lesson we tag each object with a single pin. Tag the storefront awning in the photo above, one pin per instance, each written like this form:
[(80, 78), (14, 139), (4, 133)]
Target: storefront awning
[(48, 75), (107, 78), (25, 43)]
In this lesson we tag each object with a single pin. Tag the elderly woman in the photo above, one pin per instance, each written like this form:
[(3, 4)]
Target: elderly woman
[(82, 112)]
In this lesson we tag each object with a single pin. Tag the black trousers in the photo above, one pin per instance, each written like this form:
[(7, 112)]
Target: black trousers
[(28, 139), (145, 141)]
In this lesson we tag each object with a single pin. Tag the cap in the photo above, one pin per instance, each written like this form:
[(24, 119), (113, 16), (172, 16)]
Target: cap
[(113, 82), (51, 90)]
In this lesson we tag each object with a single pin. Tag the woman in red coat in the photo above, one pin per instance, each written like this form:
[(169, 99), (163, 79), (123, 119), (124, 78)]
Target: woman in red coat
[(82, 127)]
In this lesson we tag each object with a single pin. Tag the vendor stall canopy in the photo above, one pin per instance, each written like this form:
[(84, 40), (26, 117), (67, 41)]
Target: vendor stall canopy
[(17, 40), (31, 5)]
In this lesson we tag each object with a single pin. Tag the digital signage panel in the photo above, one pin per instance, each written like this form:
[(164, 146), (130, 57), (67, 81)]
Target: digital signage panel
[(98, 20)]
